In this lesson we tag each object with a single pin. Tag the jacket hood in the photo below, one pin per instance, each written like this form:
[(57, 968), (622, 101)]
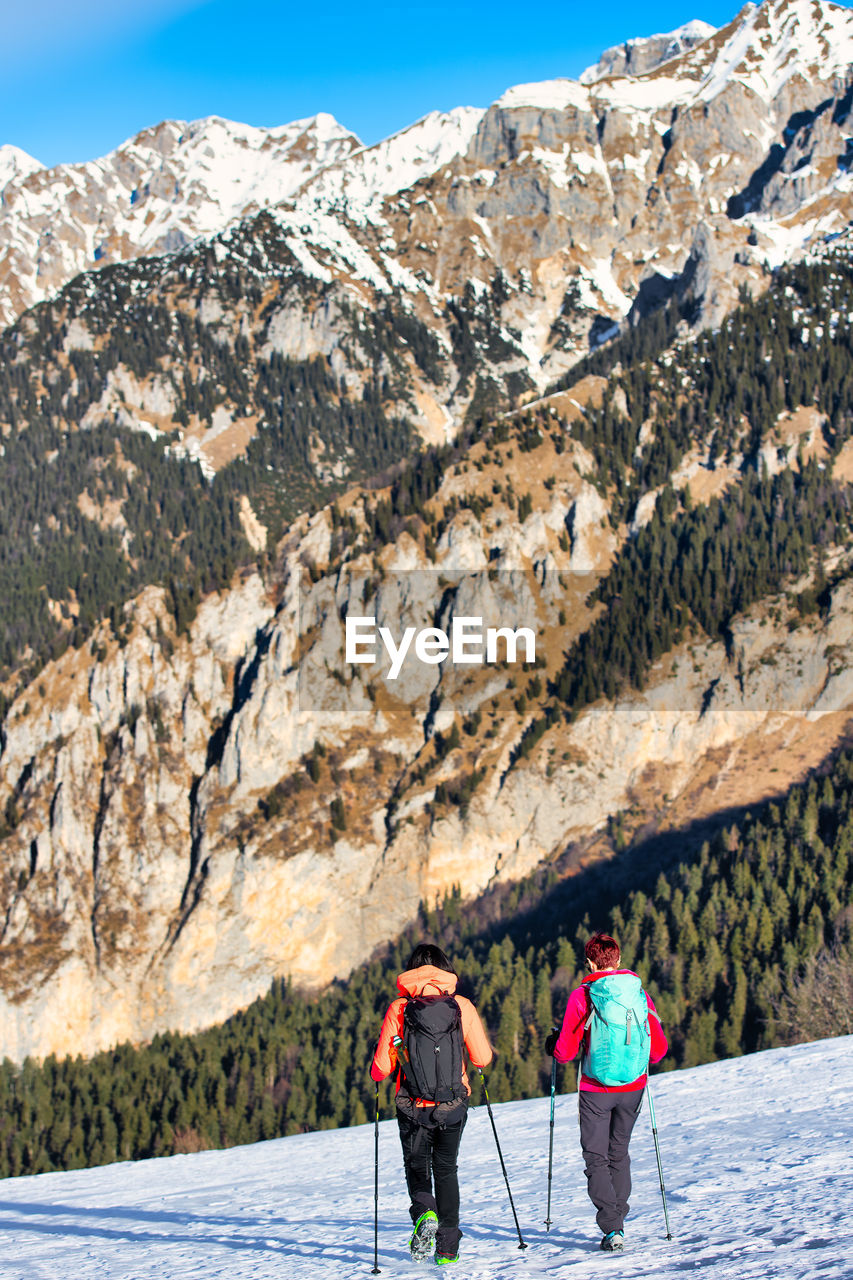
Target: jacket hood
[(427, 981)]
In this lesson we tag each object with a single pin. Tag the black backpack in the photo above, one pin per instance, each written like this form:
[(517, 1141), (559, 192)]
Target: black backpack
[(432, 1049)]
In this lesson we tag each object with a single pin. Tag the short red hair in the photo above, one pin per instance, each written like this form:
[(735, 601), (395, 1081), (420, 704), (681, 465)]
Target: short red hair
[(603, 951)]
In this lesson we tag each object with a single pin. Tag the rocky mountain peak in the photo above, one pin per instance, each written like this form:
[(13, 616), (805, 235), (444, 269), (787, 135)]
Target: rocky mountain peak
[(766, 46), (153, 194), (638, 56), (15, 163)]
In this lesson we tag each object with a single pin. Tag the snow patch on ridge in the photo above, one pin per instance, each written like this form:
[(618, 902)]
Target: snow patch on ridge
[(15, 163), (326, 249), (782, 242), (647, 93), (597, 281), (547, 95), (359, 184)]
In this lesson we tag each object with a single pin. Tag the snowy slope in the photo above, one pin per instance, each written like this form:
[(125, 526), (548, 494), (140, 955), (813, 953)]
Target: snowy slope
[(776, 43), (764, 49), (360, 182), (756, 1158)]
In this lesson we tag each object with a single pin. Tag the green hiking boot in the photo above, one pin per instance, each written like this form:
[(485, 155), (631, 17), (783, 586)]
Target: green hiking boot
[(443, 1259), (423, 1236)]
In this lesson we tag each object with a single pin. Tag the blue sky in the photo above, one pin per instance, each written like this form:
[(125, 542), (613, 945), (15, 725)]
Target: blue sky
[(78, 78)]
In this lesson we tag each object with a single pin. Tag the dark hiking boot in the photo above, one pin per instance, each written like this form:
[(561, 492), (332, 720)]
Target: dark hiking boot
[(423, 1236), (613, 1242)]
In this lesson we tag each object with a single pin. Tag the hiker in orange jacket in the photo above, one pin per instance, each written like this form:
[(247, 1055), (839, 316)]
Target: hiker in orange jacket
[(429, 1016)]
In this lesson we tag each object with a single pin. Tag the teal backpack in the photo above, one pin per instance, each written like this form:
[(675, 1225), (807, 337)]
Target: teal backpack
[(618, 1036)]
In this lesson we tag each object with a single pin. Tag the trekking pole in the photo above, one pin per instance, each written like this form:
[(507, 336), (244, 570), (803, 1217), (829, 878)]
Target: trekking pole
[(657, 1153), (521, 1243), (551, 1139), (376, 1271)]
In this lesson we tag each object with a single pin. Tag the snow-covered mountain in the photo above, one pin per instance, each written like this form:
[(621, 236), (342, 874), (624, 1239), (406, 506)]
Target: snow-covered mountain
[(15, 163), (358, 183), (713, 153), (640, 55), (754, 1154), (152, 195)]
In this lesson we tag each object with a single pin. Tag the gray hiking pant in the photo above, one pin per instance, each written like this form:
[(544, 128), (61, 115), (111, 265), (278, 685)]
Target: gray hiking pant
[(607, 1120)]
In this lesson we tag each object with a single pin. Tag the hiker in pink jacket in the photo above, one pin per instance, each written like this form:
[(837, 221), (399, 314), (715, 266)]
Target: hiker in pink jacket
[(614, 1024)]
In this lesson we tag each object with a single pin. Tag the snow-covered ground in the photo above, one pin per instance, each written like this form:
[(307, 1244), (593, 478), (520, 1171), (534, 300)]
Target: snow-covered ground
[(756, 1152)]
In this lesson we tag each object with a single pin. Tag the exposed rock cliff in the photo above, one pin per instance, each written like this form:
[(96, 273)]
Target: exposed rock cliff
[(639, 56), (175, 842)]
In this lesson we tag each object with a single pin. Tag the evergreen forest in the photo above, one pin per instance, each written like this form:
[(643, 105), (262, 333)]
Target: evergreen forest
[(721, 922), (790, 347), (92, 510)]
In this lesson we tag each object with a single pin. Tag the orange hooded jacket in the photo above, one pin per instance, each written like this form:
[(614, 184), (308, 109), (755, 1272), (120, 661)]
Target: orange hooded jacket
[(429, 981)]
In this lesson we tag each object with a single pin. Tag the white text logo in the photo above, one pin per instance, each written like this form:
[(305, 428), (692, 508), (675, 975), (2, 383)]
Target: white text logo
[(467, 643)]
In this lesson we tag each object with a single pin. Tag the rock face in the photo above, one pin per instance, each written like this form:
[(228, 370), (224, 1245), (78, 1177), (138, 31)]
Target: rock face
[(175, 842), (638, 57)]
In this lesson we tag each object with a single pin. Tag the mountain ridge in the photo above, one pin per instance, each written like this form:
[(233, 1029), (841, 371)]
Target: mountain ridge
[(643, 53), (757, 54)]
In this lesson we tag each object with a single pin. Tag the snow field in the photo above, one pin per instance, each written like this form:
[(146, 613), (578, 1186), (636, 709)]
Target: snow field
[(756, 1156)]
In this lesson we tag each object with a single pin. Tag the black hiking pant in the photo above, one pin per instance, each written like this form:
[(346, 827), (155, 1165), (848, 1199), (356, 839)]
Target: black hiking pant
[(429, 1159), (607, 1121)]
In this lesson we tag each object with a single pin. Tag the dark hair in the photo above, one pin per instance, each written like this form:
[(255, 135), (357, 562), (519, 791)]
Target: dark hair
[(428, 953), (603, 951)]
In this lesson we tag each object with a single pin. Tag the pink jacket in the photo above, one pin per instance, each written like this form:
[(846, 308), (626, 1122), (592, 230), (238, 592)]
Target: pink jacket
[(573, 1030)]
